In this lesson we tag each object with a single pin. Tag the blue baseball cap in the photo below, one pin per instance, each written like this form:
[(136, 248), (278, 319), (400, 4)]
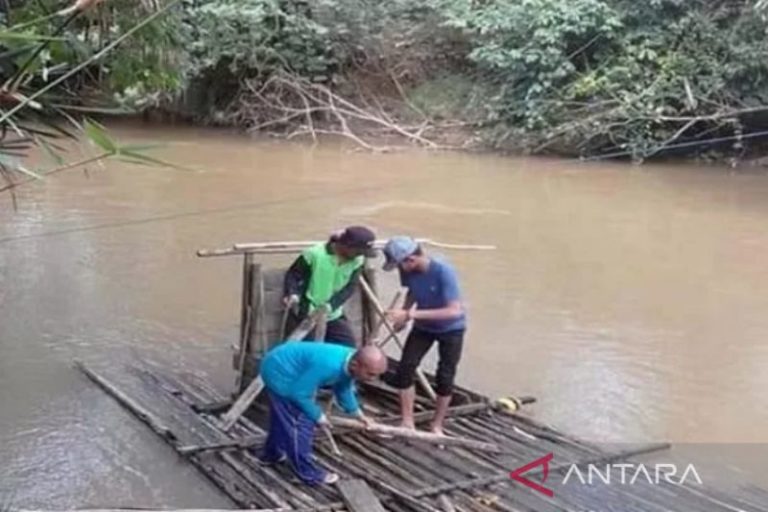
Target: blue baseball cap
[(398, 248)]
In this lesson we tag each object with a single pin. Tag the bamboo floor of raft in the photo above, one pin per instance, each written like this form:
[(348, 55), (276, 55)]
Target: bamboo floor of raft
[(405, 476)]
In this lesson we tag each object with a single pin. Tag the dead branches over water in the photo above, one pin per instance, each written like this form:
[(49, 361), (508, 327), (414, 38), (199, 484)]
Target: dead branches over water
[(290, 106)]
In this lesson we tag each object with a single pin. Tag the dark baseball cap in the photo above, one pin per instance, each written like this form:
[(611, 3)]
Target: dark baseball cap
[(358, 237)]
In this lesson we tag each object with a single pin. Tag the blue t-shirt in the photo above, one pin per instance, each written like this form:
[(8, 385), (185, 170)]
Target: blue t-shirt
[(434, 289)]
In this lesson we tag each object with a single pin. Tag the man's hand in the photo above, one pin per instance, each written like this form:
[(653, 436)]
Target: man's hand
[(398, 318), (324, 422), (366, 421), (290, 300)]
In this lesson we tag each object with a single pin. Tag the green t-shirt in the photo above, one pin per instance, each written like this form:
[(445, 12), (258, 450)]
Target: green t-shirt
[(329, 275)]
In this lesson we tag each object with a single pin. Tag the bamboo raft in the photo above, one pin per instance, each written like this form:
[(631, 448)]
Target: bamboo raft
[(397, 474)]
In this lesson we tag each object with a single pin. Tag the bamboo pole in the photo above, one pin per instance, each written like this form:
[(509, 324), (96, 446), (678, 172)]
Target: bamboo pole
[(251, 320), (225, 445), (267, 490), (290, 509), (378, 481), (452, 412), (251, 441), (380, 310), (368, 313), (296, 494), (137, 409), (284, 247), (377, 244), (321, 325), (392, 305), (445, 503), (245, 300), (416, 435)]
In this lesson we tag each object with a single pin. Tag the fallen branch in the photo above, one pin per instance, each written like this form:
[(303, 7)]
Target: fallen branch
[(292, 106)]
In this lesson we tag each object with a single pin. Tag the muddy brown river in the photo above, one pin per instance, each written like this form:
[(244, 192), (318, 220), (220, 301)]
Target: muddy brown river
[(631, 301)]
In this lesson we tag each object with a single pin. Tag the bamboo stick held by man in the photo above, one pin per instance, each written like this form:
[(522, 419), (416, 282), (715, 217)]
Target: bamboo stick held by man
[(325, 276)]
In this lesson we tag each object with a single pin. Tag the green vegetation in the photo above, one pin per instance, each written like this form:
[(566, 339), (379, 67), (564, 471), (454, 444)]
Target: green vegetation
[(579, 77), (54, 71)]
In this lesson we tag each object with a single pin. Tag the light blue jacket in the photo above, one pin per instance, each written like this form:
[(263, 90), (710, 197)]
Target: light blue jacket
[(295, 370)]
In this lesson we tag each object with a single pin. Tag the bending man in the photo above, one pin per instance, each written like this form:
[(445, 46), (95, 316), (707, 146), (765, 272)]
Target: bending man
[(293, 372)]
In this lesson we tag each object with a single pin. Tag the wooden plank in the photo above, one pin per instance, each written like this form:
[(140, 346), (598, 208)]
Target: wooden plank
[(246, 291), (251, 322), (224, 445), (242, 403), (359, 497), (126, 401)]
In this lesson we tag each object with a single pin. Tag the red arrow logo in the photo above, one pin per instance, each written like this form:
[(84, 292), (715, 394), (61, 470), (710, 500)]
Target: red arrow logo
[(517, 475)]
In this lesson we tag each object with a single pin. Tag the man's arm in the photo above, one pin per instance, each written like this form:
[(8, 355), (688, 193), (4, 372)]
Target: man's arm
[(303, 395), (297, 278), (449, 284), (451, 296), (341, 296), (454, 309), (400, 321), (345, 396)]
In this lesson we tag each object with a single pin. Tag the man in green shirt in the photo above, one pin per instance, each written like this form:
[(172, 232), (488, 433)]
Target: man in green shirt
[(324, 275)]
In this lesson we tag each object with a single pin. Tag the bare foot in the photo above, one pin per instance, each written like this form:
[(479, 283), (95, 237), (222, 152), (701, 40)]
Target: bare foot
[(436, 430), (408, 425)]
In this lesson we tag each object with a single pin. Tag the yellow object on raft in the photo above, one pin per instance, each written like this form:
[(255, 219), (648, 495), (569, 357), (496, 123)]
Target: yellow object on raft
[(508, 404)]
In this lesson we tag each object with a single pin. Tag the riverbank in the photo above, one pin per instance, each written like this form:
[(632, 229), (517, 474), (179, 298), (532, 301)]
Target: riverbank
[(454, 138)]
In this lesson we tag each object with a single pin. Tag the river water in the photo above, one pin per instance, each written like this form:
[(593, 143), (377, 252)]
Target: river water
[(630, 300)]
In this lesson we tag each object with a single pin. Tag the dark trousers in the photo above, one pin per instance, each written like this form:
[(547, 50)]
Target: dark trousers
[(290, 434), (449, 345), (336, 331)]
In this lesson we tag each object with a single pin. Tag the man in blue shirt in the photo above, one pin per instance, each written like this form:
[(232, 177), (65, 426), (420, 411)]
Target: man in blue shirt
[(434, 304), (292, 374)]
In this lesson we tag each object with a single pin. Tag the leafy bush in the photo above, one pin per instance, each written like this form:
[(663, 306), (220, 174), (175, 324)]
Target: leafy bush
[(590, 77), (618, 77), (254, 36)]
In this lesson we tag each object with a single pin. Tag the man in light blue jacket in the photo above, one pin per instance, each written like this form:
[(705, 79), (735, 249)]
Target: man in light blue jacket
[(292, 373)]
